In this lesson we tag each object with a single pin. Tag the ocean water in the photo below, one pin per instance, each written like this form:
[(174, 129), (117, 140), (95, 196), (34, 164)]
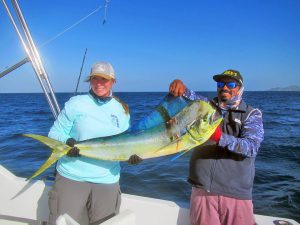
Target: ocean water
[(277, 182)]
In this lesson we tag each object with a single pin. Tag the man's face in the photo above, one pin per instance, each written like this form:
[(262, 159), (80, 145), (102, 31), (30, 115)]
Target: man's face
[(225, 93)]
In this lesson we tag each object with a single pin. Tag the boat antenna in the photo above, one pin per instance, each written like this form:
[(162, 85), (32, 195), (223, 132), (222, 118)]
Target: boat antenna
[(80, 71)]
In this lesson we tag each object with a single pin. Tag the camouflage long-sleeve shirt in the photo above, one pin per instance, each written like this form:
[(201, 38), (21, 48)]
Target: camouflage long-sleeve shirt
[(252, 133)]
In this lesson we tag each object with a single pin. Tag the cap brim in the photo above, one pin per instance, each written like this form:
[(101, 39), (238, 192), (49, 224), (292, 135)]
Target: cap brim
[(218, 77), (102, 75)]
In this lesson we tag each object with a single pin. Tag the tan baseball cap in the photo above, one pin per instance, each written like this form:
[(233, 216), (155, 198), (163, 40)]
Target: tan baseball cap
[(102, 69)]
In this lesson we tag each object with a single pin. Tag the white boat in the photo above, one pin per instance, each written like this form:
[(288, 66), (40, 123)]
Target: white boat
[(26, 202)]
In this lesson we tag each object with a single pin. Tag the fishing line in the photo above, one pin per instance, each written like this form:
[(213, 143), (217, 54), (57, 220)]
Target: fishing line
[(76, 23), (105, 10), (2, 74)]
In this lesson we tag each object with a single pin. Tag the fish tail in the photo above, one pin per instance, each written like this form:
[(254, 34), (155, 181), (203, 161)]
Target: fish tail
[(58, 150)]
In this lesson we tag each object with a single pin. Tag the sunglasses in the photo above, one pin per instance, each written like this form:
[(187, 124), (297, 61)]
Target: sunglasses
[(230, 84)]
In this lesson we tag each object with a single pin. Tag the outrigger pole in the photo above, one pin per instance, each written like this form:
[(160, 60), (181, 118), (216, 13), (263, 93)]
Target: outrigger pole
[(33, 57)]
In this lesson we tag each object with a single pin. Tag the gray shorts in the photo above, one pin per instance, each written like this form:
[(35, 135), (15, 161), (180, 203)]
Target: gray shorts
[(87, 203)]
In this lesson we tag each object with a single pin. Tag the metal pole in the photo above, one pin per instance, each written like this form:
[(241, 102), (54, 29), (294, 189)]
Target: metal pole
[(16, 28), (36, 54), (34, 57), (16, 66), (27, 34)]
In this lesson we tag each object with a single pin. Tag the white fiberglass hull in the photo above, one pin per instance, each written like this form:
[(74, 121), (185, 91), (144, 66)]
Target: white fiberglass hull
[(24, 202)]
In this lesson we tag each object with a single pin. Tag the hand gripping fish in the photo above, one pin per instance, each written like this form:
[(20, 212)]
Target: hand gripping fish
[(159, 134)]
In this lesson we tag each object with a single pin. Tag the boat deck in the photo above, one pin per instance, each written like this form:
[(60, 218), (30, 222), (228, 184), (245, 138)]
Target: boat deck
[(26, 202)]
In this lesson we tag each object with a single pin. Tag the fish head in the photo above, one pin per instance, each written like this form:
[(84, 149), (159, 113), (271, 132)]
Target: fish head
[(206, 119)]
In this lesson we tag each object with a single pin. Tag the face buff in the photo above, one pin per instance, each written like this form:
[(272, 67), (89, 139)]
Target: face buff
[(233, 102), (100, 100)]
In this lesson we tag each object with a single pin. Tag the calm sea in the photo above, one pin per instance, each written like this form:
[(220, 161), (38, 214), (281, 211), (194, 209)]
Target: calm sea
[(277, 182)]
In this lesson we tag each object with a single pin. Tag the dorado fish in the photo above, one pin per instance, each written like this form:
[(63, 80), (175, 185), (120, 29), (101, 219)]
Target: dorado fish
[(191, 126)]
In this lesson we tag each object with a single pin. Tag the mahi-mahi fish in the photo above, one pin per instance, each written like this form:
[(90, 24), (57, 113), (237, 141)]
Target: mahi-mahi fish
[(176, 125)]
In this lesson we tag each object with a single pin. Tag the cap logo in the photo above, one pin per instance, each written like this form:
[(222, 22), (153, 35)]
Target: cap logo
[(230, 73)]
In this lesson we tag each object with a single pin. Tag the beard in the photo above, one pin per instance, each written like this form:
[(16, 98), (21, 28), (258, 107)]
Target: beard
[(228, 101), (222, 97)]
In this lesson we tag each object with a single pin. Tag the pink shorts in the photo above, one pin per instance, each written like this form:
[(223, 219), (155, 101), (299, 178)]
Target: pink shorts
[(212, 209)]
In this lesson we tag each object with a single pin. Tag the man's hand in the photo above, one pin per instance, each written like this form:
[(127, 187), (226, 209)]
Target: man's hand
[(216, 135), (73, 152), (177, 88), (134, 159)]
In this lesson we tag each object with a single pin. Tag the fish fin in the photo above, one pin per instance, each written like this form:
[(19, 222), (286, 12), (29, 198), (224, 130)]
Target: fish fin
[(175, 139), (178, 155), (166, 109), (58, 150)]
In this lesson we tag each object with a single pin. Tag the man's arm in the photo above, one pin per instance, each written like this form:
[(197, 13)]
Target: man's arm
[(192, 95), (178, 88), (251, 136)]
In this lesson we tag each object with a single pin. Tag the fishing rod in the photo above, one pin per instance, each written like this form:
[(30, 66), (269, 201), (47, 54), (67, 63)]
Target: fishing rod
[(80, 72)]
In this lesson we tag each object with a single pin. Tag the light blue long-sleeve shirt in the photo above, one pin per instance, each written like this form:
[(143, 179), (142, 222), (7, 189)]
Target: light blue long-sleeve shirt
[(82, 118)]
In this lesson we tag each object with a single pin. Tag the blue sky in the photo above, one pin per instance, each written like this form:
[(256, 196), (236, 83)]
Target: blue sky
[(150, 43)]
